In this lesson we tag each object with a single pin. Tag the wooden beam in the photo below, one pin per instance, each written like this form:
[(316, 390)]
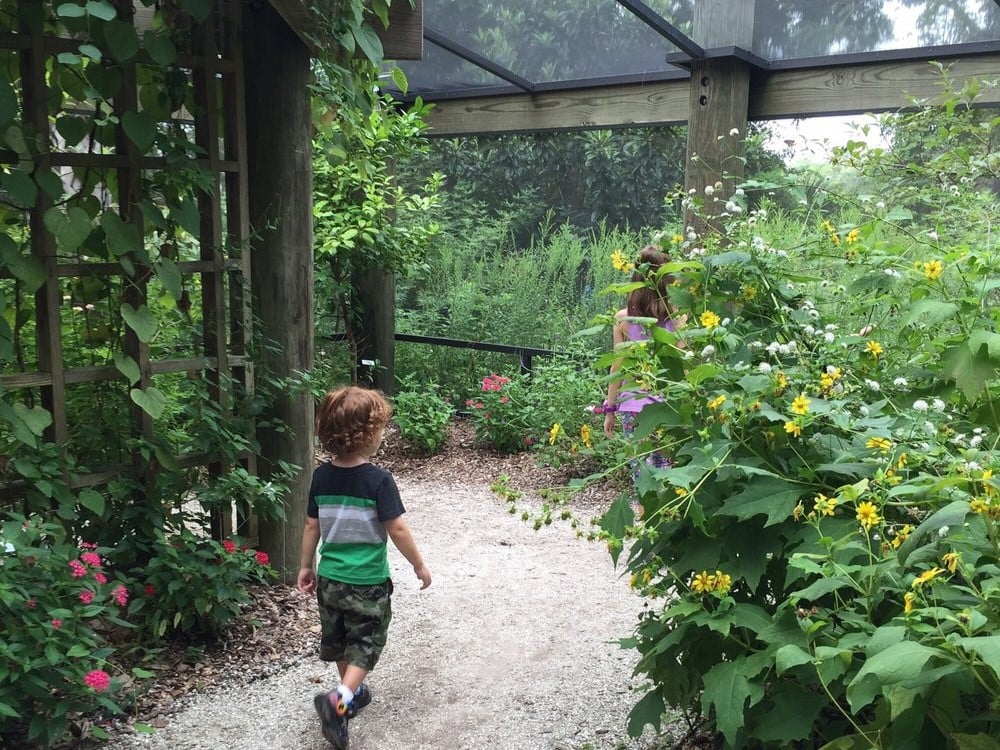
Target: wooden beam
[(635, 105), (774, 95), (404, 39)]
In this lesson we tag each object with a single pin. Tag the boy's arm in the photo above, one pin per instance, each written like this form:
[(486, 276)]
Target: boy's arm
[(307, 556), (399, 532)]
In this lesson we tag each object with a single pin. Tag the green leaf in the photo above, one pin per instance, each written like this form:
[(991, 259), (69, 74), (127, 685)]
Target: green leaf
[(71, 10), (170, 276), (121, 237), (199, 9), (92, 500), (21, 187), (151, 401), (369, 43), (160, 48), (70, 229), (952, 514), (6, 710), (186, 214), (649, 711), (36, 419), (970, 370), (101, 9), (789, 656), (617, 518), (980, 338), (899, 662), (123, 43), (929, 312), (141, 130), (141, 321), (141, 728), (72, 129), (399, 78), (792, 717), (975, 742), (986, 648), (770, 496), (127, 367), (728, 690), (92, 52)]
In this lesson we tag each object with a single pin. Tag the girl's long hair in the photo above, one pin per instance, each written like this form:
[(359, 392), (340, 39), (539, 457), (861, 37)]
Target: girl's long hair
[(650, 301)]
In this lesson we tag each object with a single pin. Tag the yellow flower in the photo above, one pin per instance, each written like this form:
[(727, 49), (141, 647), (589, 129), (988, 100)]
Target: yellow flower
[(835, 238), (829, 379), (880, 444), (825, 506), (797, 511), (985, 478), (703, 582), (801, 404), (901, 462), (828, 227), (978, 505), (715, 403), (927, 575), (951, 561), (933, 269), (620, 262), (677, 239), (554, 433), (680, 491), (585, 435), (782, 383), (749, 292), (709, 319), (901, 536), (723, 582), (793, 429), (874, 348), (908, 599), (868, 515), (853, 236)]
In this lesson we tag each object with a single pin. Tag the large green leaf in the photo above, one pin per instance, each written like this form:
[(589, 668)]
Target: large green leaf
[(899, 662), (121, 237), (792, 716), (617, 518), (70, 229), (770, 496), (649, 711), (975, 742), (101, 9), (160, 48), (35, 418), (92, 500), (929, 312), (170, 276), (151, 400), (370, 44), (728, 690), (127, 367), (971, 370), (122, 40), (141, 321), (21, 187), (986, 648), (141, 130), (789, 656)]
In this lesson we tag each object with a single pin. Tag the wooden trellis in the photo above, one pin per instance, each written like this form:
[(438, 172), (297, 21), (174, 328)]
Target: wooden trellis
[(213, 61)]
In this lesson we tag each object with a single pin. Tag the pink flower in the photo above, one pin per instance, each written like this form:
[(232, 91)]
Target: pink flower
[(229, 546), (494, 382), (98, 680), (262, 558), (149, 589), (57, 623), (86, 596), (100, 578), (120, 595), (92, 559), (88, 545), (77, 569), (31, 604), (505, 399)]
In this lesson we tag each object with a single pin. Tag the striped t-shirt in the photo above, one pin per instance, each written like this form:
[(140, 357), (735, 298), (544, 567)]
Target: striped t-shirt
[(352, 504)]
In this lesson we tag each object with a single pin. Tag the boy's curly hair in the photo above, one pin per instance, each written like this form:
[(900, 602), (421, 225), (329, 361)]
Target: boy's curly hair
[(349, 419)]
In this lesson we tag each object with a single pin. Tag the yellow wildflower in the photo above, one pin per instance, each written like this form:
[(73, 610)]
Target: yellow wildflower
[(797, 511), (908, 599), (709, 319), (749, 292), (585, 435), (554, 433), (927, 575), (901, 536), (951, 561), (901, 461), (891, 477), (933, 269), (782, 383), (680, 491), (793, 429), (835, 238), (874, 348), (825, 506), (716, 402), (828, 227), (868, 515), (829, 379), (985, 478), (703, 582), (677, 239), (620, 262), (880, 444), (978, 505), (723, 582), (852, 236), (801, 404)]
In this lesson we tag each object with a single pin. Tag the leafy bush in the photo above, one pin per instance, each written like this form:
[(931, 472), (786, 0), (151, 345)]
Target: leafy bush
[(193, 585), (825, 544), (504, 413), (57, 604), (423, 418)]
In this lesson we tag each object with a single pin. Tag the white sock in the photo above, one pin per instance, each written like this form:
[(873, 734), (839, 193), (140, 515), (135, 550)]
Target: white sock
[(346, 694)]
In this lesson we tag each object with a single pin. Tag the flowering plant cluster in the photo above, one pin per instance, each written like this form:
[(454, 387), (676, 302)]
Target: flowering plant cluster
[(825, 544)]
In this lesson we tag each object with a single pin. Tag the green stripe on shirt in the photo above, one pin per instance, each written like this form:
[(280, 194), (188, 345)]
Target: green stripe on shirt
[(357, 502)]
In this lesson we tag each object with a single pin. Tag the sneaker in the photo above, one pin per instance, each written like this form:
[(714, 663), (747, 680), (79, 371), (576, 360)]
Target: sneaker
[(334, 726), (362, 698)]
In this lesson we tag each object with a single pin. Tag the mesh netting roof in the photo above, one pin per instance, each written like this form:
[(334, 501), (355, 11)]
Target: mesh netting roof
[(483, 47)]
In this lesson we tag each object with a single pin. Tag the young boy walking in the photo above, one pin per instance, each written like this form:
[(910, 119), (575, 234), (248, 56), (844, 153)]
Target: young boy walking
[(354, 507)]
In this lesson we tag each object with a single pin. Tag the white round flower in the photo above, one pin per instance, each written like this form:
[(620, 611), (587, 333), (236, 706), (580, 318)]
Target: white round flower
[(828, 337), (707, 352), (725, 322), (932, 236), (920, 405), (943, 532), (9, 548), (972, 466), (975, 441), (901, 383), (688, 354), (880, 205), (709, 190), (734, 131), (938, 404), (873, 385), (831, 326), (773, 347), (764, 367), (809, 330), (930, 427), (739, 192), (864, 410), (692, 236)]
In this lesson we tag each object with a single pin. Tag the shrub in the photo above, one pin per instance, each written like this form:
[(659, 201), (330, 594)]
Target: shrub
[(504, 413), (423, 418), (57, 605)]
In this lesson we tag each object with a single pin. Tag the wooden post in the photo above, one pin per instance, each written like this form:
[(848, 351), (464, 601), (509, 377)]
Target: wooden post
[(719, 104), (277, 74), (375, 297)]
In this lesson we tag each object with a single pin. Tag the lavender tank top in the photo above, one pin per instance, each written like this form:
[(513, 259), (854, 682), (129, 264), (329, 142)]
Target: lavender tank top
[(633, 401)]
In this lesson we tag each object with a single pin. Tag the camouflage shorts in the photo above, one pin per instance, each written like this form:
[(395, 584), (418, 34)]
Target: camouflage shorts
[(354, 620)]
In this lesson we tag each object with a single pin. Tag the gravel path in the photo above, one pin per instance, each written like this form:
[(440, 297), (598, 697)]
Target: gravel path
[(513, 647)]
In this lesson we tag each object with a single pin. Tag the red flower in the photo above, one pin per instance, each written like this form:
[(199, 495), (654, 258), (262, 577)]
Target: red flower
[(100, 578), (98, 680), (57, 623), (31, 604), (229, 546), (88, 545), (262, 558), (120, 595), (77, 569), (92, 559), (86, 596), (149, 589)]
